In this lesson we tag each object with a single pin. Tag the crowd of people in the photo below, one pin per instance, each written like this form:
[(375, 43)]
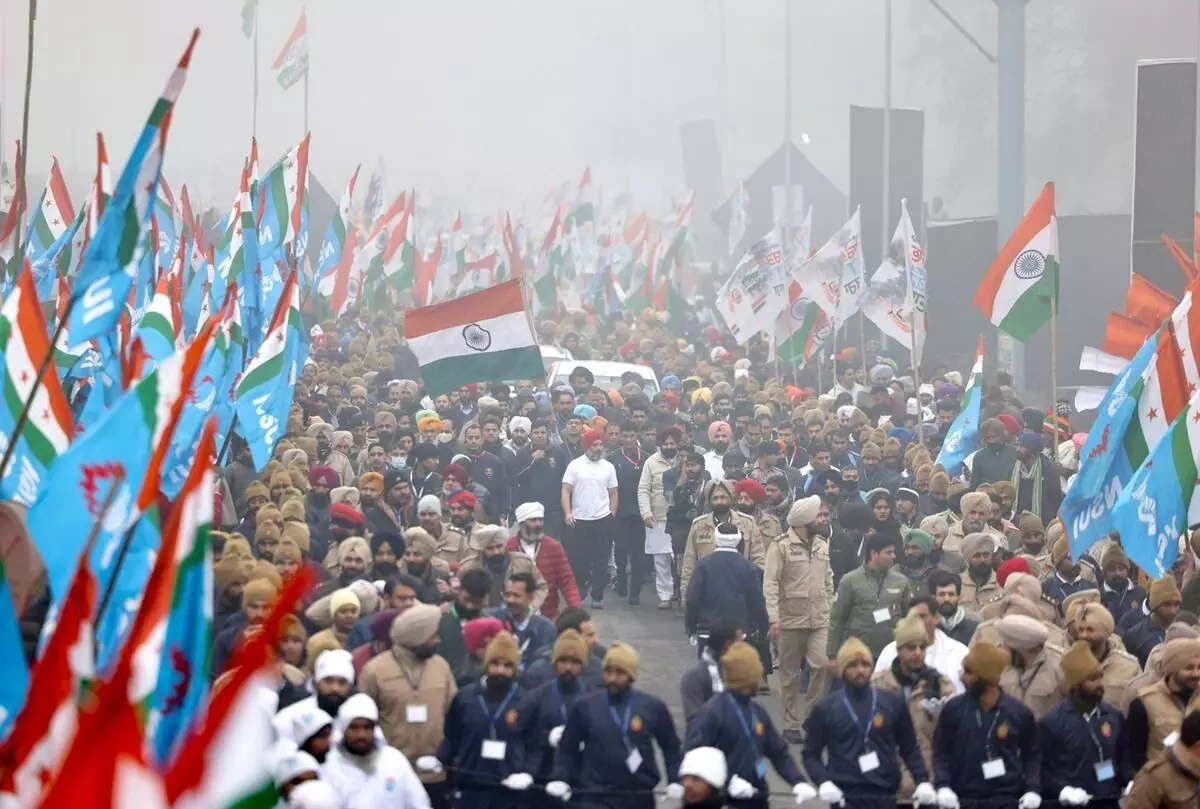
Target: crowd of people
[(932, 638)]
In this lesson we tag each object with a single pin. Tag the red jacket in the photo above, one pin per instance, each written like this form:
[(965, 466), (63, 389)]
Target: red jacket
[(556, 570)]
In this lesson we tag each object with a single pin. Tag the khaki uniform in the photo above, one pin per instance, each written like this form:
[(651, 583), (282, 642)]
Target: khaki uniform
[(1047, 610), (954, 539), (1039, 687), (518, 562), (1164, 715), (1120, 669), (769, 528), (1167, 782), (973, 596), (1039, 563), (798, 586), (702, 541), (867, 605), (404, 687), (923, 723), (452, 545)]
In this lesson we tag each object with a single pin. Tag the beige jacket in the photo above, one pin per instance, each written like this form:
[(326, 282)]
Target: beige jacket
[(702, 541), (452, 545), (1167, 782), (798, 582), (923, 723), (396, 680), (1164, 714), (1041, 686), (1120, 669), (651, 496), (973, 596)]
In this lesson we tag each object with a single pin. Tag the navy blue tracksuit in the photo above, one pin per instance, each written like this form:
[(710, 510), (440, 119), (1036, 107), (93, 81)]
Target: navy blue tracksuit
[(852, 723), (743, 731), (1073, 743), (611, 727), (473, 718), (725, 585), (966, 736), (490, 472), (1121, 602), (541, 482), (550, 704)]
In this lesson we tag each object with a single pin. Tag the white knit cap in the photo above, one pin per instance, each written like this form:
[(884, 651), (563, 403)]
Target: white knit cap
[(307, 723), (530, 511), (357, 706), (334, 663), (429, 504), (313, 795), (707, 764), (292, 764)]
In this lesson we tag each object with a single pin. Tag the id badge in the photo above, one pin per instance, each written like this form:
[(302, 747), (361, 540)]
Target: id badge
[(993, 768), (416, 714), (760, 768), (494, 750), (1104, 771), (881, 615), (633, 761), (868, 762)]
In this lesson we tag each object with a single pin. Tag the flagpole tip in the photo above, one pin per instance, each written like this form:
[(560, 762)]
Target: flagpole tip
[(186, 59)]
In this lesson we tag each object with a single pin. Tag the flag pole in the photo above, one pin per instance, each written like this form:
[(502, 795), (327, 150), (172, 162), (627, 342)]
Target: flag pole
[(862, 347), (18, 258), (254, 119), (306, 101), (1054, 370), (109, 499), (916, 369)]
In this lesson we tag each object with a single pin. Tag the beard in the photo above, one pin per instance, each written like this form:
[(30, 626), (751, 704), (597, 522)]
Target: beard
[(973, 527)]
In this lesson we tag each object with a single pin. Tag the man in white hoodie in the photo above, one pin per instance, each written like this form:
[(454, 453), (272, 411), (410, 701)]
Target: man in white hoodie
[(363, 770), (943, 652)]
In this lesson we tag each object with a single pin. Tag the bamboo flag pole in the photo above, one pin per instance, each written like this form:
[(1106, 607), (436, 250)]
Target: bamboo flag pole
[(1054, 370)]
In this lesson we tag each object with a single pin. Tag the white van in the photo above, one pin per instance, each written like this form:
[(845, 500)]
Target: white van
[(607, 374)]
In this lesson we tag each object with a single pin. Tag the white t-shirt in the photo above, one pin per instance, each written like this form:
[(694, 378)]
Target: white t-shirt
[(590, 483)]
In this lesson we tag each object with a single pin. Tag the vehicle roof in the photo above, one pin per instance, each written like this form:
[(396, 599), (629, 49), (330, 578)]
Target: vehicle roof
[(602, 367)]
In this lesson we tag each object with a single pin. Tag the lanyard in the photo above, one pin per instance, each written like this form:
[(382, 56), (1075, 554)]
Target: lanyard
[(979, 723), (636, 464), (562, 703), (622, 724), (499, 711), (745, 720), (1087, 723), (854, 716)]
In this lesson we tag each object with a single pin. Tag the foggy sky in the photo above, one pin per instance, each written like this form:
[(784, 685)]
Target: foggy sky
[(494, 102)]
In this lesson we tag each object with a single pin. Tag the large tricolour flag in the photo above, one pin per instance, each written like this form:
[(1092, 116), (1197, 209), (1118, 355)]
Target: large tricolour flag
[(292, 63), (476, 338), (1020, 290)]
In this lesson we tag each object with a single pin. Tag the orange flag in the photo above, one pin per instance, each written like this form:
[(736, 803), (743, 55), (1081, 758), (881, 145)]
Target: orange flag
[(1123, 336), (1147, 303)]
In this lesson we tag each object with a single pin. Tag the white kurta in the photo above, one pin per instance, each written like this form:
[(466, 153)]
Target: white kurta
[(945, 655)]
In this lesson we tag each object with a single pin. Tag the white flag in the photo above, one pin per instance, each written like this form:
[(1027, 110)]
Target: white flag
[(895, 299)]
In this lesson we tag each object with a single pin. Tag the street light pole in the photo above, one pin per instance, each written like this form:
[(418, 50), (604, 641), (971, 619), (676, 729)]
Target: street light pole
[(787, 125), (1010, 155)]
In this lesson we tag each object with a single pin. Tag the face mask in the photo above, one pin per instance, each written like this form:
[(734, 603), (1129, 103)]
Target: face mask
[(746, 508), (981, 571), (417, 568), (424, 651), (721, 512), (669, 453), (397, 463), (497, 684), (850, 486), (329, 703), (319, 498), (948, 610)]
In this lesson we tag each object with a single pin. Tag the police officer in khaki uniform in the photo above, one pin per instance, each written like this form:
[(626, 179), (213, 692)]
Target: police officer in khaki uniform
[(1035, 678), (979, 585), (702, 537), (798, 585), (1157, 711)]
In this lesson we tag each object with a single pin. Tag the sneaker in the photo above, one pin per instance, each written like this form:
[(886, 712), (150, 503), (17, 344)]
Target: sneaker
[(597, 605), (664, 605), (634, 600), (793, 736)]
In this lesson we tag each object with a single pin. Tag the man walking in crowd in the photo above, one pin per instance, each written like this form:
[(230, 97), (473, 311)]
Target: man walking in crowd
[(589, 499)]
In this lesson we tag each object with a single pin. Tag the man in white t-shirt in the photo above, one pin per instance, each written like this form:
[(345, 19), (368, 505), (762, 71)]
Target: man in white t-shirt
[(589, 499)]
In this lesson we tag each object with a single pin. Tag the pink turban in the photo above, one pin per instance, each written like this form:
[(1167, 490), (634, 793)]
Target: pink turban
[(718, 429), (325, 475)]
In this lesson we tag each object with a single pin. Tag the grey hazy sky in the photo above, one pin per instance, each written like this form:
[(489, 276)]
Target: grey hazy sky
[(494, 101)]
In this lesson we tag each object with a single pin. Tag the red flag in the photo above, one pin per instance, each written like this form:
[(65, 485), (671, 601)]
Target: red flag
[(1147, 303), (1185, 262)]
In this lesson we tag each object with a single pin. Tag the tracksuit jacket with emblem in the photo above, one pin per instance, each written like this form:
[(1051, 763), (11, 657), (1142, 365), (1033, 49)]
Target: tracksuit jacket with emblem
[(966, 736), (1073, 743), (461, 750)]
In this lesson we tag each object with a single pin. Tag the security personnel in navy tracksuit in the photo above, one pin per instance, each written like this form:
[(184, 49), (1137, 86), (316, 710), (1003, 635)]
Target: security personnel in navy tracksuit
[(551, 702), (742, 730), (607, 749), (487, 734), (862, 728), (985, 746), (1082, 739)]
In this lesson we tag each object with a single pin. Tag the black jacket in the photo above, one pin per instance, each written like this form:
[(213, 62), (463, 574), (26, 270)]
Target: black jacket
[(1072, 744), (744, 732), (725, 585), (966, 736)]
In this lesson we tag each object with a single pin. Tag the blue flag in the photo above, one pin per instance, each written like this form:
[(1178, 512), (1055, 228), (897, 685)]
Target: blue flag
[(963, 436), (264, 393), (1104, 468), (127, 586), (14, 673)]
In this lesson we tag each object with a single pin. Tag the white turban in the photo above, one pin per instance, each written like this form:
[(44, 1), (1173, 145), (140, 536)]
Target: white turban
[(520, 423), (530, 511), (429, 504), (804, 512), (728, 540)]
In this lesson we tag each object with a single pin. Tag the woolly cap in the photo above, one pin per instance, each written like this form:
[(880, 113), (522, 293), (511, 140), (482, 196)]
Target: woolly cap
[(287, 551), (344, 597), (910, 629), (333, 663), (1078, 664), (706, 763), (1060, 550), (228, 572), (1112, 557), (257, 489), (853, 650), (570, 644), (1030, 523), (622, 657), (742, 668), (292, 510), (1163, 591), (298, 533), (258, 591), (502, 647), (987, 661), (238, 547)]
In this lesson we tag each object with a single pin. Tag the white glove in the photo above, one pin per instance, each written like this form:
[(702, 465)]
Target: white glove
[(559, 789), (740, 789), (556, 735), (932, 706), (829, 792), (1073, 796), (924, 794), (693, 640), (803, 792), (429, 764), (1030, 800), (675, 791), (1172, 737), (946, 799), (1128, 789), (518, 781)]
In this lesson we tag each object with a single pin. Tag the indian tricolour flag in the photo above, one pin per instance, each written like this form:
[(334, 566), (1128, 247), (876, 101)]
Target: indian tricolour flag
[(292, 63), (47, 433), (477, 338), (1021, 289), (801, 328)]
